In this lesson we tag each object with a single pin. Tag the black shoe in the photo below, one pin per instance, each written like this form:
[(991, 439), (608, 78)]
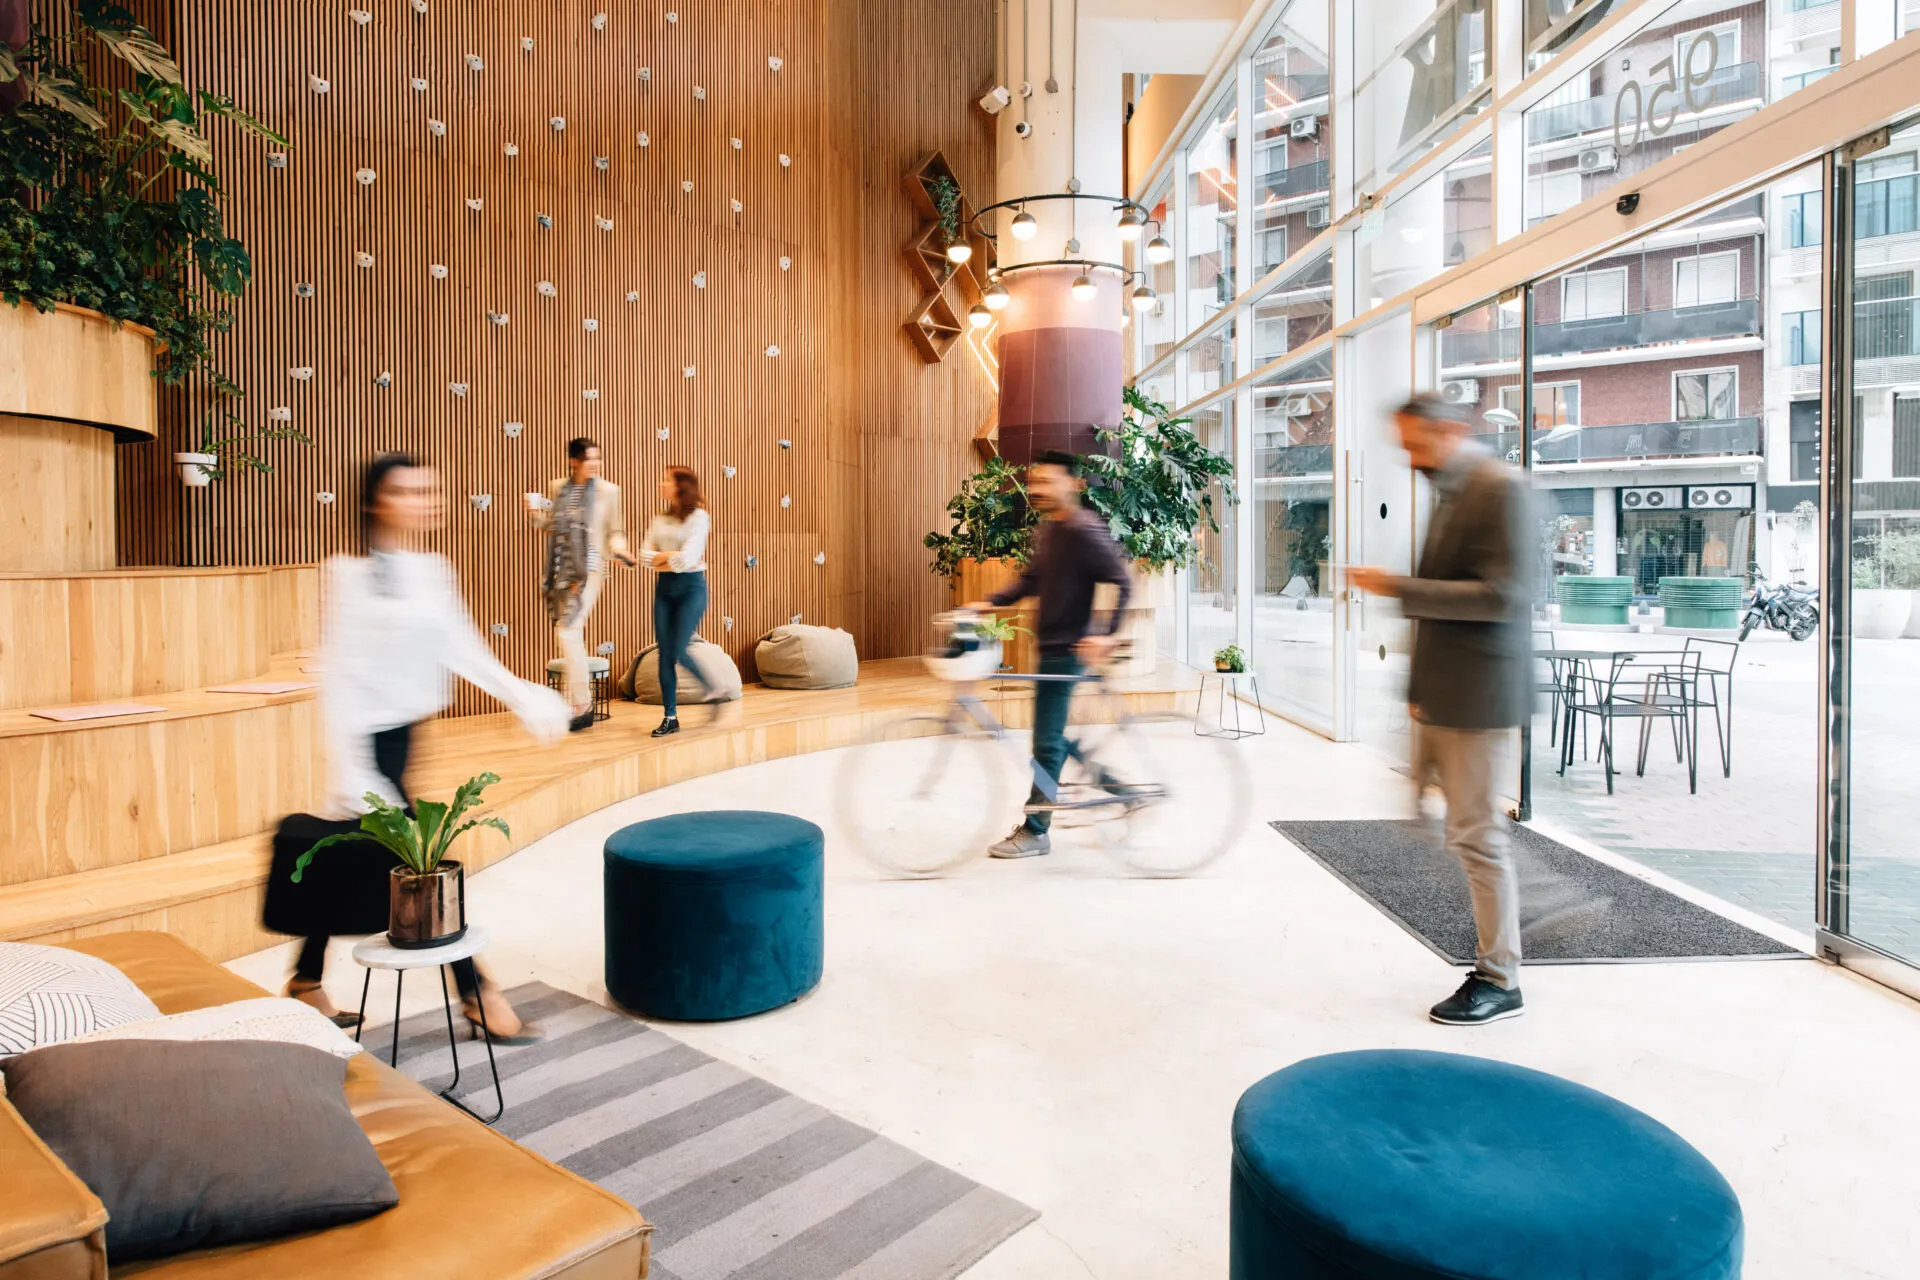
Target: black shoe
[(669, 725), (582, 721), (1477, 1001)]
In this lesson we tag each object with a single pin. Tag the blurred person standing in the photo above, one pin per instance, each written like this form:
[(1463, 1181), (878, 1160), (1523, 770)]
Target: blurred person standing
[(1470, 683), (582, 519), (1073, 552), (394, 629), (675, 548)]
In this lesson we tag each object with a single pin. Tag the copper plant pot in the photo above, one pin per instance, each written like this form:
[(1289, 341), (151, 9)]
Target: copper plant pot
[(429, 910)]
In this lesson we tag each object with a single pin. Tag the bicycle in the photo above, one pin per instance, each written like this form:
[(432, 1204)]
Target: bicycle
[(925, 791)]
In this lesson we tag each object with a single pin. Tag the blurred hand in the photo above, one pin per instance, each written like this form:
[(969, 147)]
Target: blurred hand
[(1373, 580), (1095, 650), (532, 502), (544, 715), (663, 560), (626, 559)]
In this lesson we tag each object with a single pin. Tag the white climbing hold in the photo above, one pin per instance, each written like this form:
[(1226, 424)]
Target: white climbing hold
[(546, 290), (599, 22), (276, 160), (633, 295), (324, 498), (604, 648), (302, 289), (480, 501), (786, 500), (605, 224), (819, 557), (727, 623), (729, 472), (737, 144), (686, 185), (360, 16), (592, 325), (545, 220), (280, 413), (458, 388), (688, 372), (419, 84), (591, 393), (474, 203), (753, 561), (795, 619), (438, 270), (438, 128), (526, 44), (646, 73), (786, 263), (558, 122), (304, 373), (786, 444), (513, 430), (511, 149), (773, 351), (662, 433), (775, 62), (603, 163), (498, 628), (499, 318), (672, 16), (319, 84), (642, 138), (699, 94), (735, 204), (362, 258), (383, 379), (474, 63), (786, 161), (699, 279), (419, 6)]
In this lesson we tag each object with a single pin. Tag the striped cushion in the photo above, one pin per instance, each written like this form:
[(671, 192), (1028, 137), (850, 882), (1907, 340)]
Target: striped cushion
[(50, 994)]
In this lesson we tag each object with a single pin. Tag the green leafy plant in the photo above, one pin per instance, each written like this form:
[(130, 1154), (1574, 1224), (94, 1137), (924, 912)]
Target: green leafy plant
[(946, 202), (1309, 546), (999, 630), (420, 841), (1890, 559), (1230, 659), (228, 437), (106, 196), (1158, 486), (991, 520)]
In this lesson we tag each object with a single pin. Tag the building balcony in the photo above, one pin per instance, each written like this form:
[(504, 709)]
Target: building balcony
[(1294, 461), (1633, 442), (1738, 319), (1294, 181), (1802, 20), (1728, 85)]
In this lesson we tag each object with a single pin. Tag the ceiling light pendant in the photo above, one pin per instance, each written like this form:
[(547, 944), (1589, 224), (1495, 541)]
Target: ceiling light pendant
[(1130, 223), (1158, 250), (1084, 288), (997, 297), (1145, 299), (959, 251), (1025, 226), (979, 317)]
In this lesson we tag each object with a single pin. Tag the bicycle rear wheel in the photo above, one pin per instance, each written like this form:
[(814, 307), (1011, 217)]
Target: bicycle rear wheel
[(1187, 796), (917, 798)]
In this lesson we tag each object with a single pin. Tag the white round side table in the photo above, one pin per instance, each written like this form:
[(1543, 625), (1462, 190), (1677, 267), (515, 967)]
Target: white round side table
[(377, 953), (1229, 682)]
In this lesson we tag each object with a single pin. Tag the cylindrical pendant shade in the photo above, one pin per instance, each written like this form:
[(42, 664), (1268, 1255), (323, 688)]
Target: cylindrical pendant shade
[(1060, 363)]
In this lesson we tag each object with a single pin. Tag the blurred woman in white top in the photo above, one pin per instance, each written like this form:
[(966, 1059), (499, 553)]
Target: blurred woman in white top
[(676, 549), (394, 632)]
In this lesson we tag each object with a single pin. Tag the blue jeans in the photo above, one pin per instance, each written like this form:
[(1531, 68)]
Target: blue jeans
[(1051, 702), (679, 602)]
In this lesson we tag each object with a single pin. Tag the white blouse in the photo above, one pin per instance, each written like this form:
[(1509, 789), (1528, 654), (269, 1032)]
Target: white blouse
[(394, 630), (685, 539)]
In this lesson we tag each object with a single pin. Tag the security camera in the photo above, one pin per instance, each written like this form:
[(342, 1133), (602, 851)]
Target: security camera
[(995, 100), (1024, 128)]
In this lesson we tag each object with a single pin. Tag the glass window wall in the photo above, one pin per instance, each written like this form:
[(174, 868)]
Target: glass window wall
[(1158, 331), (1420, 69), (1212, 610), (1290, 490), (1293, 311), (1439, 223), (1292, 135), (1211, 218)]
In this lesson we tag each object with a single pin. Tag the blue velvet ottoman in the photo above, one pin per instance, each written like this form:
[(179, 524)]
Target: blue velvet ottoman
[(714, 915), (1402, 1164)]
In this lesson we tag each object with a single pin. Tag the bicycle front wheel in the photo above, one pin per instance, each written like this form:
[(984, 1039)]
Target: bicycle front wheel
[(917, 798), (1186, 797)]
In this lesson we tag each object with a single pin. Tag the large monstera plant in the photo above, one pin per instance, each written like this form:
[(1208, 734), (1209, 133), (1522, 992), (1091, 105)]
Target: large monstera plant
[(107, 198)]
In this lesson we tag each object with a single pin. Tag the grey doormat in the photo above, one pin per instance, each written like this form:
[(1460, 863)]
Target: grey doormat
[(1402, 868), (741, 1180)]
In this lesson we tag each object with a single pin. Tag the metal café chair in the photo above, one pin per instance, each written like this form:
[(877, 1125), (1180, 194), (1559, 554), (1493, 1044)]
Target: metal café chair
[(1543, 649), (1643, 687), (1713, 688)]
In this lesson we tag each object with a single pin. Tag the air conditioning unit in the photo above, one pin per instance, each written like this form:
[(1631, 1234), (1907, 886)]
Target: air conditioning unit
[(1652, 499), (1720, 497), (1461, 391), (1599, 160), (1299, 406), (1304, 127), (1317, 216)]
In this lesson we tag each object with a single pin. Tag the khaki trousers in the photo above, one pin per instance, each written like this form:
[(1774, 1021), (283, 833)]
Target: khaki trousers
[(573, 645), (1464, 763)]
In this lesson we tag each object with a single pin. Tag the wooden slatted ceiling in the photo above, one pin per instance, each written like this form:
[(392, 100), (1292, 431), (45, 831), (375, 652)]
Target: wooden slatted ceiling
[(879, 440)]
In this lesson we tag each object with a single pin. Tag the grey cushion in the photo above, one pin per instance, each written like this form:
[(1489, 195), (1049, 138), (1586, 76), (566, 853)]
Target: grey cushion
[(193, 1144), (707, 675), (800, 657)]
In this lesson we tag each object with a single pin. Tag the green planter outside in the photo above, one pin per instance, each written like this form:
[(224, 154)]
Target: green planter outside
[(1586, 600), (1702, 604)]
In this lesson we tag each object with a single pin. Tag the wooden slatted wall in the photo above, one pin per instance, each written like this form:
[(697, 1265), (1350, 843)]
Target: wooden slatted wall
[(878, 438)]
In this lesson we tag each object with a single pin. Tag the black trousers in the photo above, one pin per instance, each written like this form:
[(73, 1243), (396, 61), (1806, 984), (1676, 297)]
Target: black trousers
[(391, 749)]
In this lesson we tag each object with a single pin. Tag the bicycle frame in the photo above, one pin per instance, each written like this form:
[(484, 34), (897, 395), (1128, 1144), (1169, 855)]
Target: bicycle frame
[(969, 712)]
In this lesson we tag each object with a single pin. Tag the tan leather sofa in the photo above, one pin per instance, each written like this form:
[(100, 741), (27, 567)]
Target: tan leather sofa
[(472, 1203)]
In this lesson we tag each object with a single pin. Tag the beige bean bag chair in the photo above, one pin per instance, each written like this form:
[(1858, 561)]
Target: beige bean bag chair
[(706, 675), (796, 657)]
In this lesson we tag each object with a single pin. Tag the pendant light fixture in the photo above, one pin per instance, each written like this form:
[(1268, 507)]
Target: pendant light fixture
[(1025, 226), (1159, 251), (997, 297), (959, 251), (1084, 288), (1145, 299), (1130, 223), (978, 316)]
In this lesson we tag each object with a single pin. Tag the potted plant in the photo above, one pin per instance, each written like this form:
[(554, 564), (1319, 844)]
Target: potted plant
[(946, 202), (106, 199), (1230, 660), (1003, 631), (427, 895), (225, 434)]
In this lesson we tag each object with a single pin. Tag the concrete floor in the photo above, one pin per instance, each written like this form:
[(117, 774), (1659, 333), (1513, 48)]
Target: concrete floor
[(1077, 1037)]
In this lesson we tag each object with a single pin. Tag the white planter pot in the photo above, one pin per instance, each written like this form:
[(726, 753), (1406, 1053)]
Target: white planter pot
[(1912, 631), (196, 469), (1880, 613)]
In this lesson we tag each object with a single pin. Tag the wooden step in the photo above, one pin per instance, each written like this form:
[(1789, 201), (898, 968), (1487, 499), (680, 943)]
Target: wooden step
[(136, 633)]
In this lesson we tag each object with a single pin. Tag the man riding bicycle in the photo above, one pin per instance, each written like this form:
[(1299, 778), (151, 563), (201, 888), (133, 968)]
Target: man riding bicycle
[(1073, 553)]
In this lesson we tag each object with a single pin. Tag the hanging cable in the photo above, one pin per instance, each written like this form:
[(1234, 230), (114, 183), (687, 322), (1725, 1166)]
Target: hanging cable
[(1053, 31)]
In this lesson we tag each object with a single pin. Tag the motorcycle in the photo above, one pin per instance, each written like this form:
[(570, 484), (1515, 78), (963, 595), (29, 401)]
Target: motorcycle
[(1786, 606)]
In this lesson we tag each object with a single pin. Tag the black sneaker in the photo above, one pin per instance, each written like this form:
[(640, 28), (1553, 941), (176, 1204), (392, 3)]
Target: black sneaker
[(1477, 1001), (582, 721), (669, 725)]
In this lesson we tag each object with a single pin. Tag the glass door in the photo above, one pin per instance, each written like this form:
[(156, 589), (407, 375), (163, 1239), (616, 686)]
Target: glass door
[(1872, 884), (1375, 377)]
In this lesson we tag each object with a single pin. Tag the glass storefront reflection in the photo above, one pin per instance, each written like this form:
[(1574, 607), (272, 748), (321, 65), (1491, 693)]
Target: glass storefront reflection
[(1440, 223), (1291, 488), (1212, 213), (1211, 607), (1421, 70), (1292, 135)]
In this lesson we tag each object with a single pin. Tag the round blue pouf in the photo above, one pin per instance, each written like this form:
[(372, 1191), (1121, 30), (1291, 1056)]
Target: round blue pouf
[(1404, 1164), (714, 915)]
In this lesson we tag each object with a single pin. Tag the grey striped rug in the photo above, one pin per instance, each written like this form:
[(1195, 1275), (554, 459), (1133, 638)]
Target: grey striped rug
[(742, 1180)]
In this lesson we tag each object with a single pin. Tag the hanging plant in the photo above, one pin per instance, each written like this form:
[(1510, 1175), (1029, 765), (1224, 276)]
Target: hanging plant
[(106, 197)]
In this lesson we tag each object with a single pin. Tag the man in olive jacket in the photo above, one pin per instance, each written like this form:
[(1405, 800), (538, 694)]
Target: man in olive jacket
[(1470, 683)]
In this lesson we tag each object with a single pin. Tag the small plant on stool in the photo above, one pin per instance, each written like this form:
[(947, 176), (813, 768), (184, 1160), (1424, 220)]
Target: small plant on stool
[(1230, 660)]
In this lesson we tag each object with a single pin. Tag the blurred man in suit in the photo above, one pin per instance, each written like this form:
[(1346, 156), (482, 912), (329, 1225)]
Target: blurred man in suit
[(1470, 684)]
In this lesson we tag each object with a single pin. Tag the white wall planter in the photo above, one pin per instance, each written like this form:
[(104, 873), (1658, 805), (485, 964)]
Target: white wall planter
[(196, 469)]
